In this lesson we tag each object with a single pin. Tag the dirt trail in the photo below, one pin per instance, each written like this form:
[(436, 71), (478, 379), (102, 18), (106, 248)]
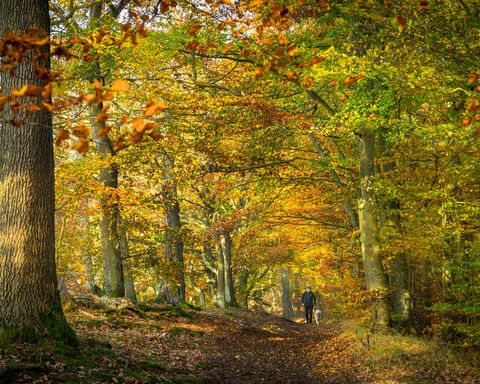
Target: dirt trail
[(259, 348), (170, 345)]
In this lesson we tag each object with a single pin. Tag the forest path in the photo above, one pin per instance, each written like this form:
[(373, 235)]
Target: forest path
[(158, 344)]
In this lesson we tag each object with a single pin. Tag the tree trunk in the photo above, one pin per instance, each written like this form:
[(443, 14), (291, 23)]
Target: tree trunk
[(220, 291), (210, 269), (173, 236), (371, 255), (125, 255), (287, 308), (229, 285), (243, 288), (88, 269), (114, 285), (29, 297)]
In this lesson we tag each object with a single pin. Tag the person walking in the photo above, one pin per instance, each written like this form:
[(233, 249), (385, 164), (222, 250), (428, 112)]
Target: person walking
[(308, 302)]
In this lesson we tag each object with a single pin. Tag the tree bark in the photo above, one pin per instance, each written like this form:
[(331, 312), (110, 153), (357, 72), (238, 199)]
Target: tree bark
[(220, 291), (371, 253), (125, 255), (230, 300), (29, 297), (287, 308), (173, 236), (114, 285)]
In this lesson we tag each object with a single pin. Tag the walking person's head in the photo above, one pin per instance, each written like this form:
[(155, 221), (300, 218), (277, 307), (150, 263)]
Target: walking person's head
[(309, 288)]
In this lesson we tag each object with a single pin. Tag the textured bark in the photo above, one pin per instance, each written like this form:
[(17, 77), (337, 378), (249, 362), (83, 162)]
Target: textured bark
[(29, 299), (114, 285), (401, 293), (210, 269), (399, 265), (220, 291), (230, 299), (371, 253), (243, 288), (125, 255), (287, 308), (89, 271), (173, 236)]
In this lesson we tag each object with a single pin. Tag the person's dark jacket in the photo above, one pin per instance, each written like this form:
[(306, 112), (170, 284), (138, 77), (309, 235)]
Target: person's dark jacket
[(308, 299)]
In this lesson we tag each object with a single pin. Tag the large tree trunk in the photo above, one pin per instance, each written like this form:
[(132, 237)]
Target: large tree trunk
[(287, 308), (29, 298), (173, 238), (230, 299), (371, 254)]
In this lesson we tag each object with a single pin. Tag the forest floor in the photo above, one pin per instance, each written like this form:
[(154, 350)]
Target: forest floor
[(154, 344)]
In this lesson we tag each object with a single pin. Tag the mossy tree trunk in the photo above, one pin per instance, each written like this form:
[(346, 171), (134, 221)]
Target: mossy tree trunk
[(29, 298), (371, 252)]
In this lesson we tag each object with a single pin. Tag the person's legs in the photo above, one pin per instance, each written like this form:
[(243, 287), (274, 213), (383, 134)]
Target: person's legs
[(308, 313)]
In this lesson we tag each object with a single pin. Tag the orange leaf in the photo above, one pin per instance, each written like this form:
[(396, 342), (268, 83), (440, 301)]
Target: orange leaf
[(259, 72), (228, 47), (88, 98), (194, 29), (350, 80), (33, 108), (28, 90), (316, 60), (119, 145), (4, 100), (48, 106), (82, 146), (401, 21), (119, 85), (138, 124), (81, 130), (466, 121), (193, 45), (472, 77), (282, 40), (62, 135), (104, 131), (155, 108), (470, 105), (332, 83), (47, 92)]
